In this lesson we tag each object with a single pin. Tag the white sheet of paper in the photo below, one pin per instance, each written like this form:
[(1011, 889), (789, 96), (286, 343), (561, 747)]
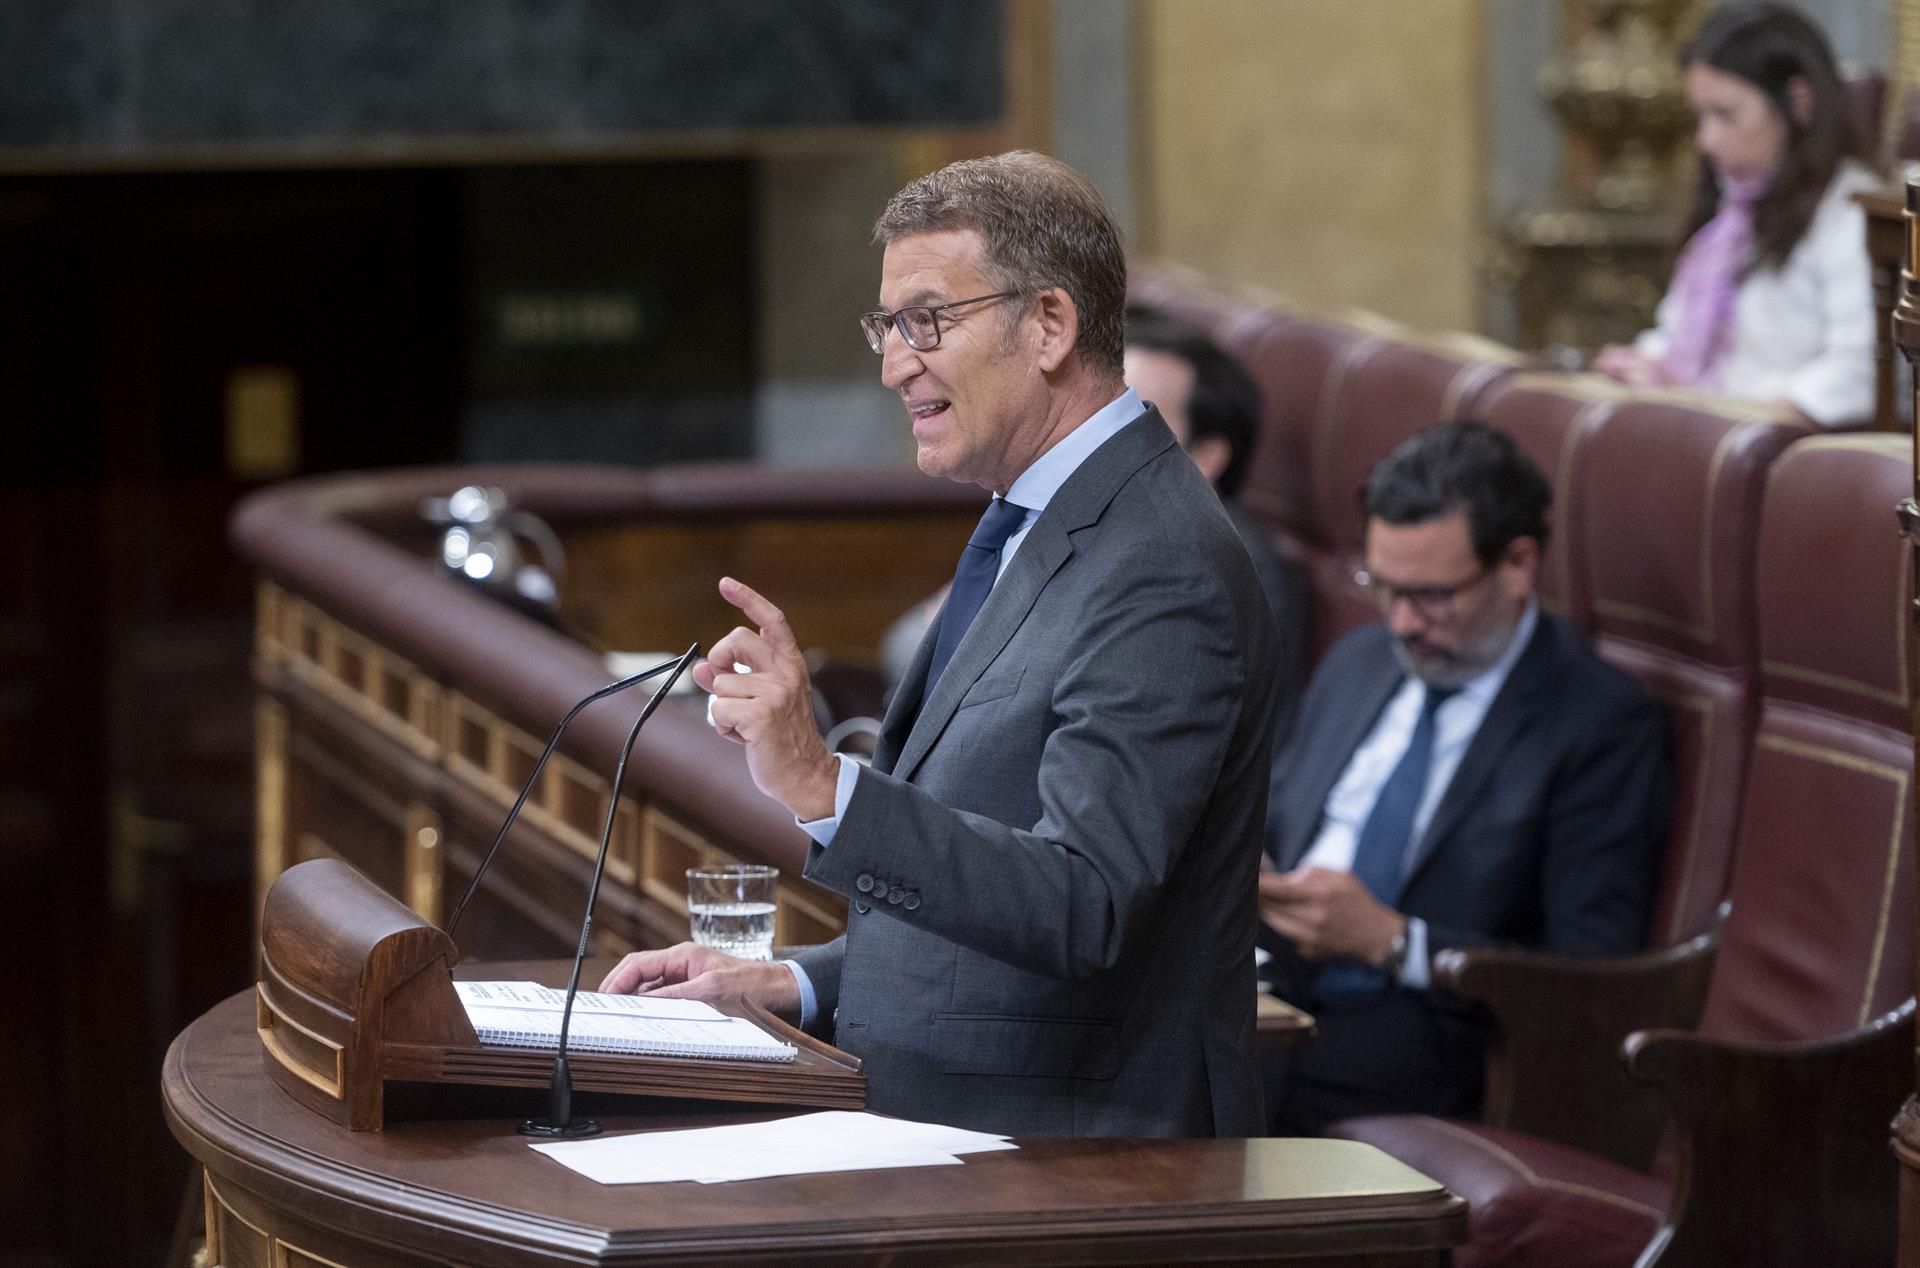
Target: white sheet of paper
[(807, 1165), (549, 999), (628, 1032), (833, 1140), (872, 1131)]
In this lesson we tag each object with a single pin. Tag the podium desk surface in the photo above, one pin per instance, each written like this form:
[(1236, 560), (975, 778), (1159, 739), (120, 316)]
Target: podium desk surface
[(284, 1184)]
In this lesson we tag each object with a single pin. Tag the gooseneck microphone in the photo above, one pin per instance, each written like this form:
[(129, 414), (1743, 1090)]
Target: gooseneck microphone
[(611, 689), (560, 1123)]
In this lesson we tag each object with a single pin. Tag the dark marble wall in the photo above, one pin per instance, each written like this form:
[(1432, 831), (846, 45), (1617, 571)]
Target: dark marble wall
[(125, 76), (609, 312)]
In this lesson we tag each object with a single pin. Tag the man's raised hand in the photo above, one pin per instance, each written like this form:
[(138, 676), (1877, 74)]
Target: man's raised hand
[(769, 708)]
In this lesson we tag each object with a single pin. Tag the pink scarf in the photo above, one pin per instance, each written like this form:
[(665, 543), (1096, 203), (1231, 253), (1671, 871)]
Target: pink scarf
[(1706, 282)]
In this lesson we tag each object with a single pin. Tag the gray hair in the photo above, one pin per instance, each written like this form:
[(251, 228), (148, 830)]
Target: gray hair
[(1043, 225)]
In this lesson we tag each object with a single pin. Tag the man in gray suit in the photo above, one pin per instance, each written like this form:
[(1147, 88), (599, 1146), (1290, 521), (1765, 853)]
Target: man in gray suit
[(1050, 863), (1212, 405)]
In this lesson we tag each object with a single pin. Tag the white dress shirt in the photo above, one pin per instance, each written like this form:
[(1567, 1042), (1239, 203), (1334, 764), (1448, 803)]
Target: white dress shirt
[(1351, 800), (1803, 332)]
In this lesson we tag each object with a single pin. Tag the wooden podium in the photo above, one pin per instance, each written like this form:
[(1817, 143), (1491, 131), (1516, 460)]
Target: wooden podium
[(287, 1186), (356, 991), (356, 999)]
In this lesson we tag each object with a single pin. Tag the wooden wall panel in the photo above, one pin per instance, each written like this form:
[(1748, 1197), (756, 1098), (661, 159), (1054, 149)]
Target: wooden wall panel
[(353, 767), (840, 580), (1328, 149)]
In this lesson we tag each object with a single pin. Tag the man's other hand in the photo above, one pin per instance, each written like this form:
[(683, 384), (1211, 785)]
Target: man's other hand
[(691, 971), (1327, 914), (770, 708)]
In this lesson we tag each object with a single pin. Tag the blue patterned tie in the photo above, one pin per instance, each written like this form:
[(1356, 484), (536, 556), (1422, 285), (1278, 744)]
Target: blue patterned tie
[(972, 581), (1379, 856)]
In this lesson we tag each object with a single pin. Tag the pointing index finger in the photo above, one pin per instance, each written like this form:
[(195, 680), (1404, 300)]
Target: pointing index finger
[(771, 620)]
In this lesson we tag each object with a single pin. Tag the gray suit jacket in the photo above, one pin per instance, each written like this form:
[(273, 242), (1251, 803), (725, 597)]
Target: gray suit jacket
[(1051, 862), (1290, 596)]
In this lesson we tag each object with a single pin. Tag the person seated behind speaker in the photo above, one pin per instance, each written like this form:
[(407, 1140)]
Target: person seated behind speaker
[(1464, 773), (1772, 297), (1213, 408)]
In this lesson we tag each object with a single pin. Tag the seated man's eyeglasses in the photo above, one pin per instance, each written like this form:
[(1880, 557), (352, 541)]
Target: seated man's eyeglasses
[(919, 325), (1433, 603)]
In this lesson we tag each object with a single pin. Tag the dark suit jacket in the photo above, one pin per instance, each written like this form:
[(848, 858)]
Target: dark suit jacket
[(1290, 598), (1549, 834), (1050, 864)]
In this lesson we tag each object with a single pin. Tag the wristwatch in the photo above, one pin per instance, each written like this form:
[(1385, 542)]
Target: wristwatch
[(1396, 955)]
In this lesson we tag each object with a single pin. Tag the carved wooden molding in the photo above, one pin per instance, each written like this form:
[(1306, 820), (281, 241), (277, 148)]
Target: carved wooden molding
[(449, 732)]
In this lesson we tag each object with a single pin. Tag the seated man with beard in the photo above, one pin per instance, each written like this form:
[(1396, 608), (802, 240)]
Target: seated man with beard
[(1465, 773)]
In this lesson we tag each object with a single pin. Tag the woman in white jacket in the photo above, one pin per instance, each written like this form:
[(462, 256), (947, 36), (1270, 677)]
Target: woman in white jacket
[(1772, 297)]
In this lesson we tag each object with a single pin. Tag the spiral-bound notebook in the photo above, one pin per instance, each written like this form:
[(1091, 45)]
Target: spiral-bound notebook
[(527, 1015)]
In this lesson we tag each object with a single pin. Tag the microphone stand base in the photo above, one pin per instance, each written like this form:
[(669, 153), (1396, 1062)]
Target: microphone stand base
[(578, 1129)]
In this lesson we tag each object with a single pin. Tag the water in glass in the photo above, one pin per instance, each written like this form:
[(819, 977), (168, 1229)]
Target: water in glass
[(731, 907), (742, 929)]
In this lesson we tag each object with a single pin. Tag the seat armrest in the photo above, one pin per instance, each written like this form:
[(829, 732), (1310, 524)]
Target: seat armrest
[(1796, 1130), (1553, 1049)]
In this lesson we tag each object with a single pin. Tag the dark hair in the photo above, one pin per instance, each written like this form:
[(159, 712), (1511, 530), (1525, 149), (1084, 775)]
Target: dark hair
[(1043, 225), (1770, 46), (1224, 401), (1463, 466)]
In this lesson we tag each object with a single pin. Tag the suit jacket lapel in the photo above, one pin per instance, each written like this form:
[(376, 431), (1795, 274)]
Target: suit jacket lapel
[(1048, 544), (905, 705), (1012, 597), (1326, 759), (1507, 717)]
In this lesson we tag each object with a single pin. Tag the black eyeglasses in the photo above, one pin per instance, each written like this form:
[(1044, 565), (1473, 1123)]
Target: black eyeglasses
[(919, 325), (1433, 603)]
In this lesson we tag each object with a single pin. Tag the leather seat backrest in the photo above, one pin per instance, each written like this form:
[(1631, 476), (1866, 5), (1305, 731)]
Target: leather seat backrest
[(1668, 508), (1295, 360), (1186, 295), (1819, 939), (1384, 393), (1551, 416)]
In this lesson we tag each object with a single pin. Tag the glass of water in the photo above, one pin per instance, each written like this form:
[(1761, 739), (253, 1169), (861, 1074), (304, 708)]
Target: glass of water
[(731, 907)]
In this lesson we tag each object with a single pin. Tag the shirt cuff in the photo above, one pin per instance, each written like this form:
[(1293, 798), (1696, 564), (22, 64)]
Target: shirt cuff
[(1415, 973), (809, 1002), (822, 830)]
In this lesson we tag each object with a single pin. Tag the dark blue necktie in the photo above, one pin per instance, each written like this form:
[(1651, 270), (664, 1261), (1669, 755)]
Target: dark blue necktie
[(1379, 857), (972, 581)]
